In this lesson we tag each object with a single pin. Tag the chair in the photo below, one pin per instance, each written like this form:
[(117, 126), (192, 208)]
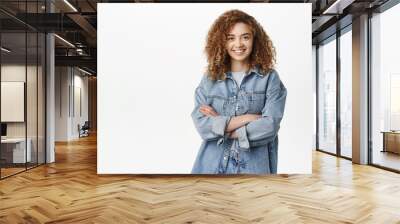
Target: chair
[(84, 130)]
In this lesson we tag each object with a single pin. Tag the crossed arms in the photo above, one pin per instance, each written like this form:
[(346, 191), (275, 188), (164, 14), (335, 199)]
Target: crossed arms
[(250, 129), (234, 123)]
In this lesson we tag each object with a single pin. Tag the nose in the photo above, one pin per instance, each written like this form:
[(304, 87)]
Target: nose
[(238, 43)]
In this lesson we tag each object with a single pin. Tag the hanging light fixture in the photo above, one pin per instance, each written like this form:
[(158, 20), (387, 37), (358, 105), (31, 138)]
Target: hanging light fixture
[(70, 5), (5, 50)]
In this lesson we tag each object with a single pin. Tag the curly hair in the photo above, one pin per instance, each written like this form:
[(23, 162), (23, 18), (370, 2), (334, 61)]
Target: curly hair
[(262, 54)]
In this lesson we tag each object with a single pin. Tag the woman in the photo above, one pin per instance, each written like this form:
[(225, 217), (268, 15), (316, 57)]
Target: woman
[(240, 101)]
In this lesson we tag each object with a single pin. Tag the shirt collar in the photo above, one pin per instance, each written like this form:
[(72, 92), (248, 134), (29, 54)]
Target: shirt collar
[(255, 70)]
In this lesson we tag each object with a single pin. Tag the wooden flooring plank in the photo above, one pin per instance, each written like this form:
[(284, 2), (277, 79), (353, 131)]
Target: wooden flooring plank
[(70, 191)]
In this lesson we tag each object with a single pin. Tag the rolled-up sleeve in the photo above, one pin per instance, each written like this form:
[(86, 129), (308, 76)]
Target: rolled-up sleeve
[(265, 129), (209, 127)]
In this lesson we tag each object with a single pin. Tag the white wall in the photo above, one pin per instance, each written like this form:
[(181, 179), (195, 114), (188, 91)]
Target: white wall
[(147, 75), (61, 103), (68, 83), (15, 72)]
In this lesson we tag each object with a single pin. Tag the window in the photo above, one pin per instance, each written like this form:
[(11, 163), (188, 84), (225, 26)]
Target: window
[(327, 97), (385, 89), (346, 94)]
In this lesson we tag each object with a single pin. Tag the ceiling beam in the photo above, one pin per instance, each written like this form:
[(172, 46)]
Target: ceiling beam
[(337, 6), (85, 61)]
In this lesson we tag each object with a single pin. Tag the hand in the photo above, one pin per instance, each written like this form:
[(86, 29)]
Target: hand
[(208, 111), (252, 117), (233, 134)]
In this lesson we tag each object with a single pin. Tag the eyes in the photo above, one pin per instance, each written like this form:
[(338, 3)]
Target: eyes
[(245, 37)]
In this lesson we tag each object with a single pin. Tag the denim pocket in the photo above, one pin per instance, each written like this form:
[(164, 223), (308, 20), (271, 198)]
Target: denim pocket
[(256, 102)]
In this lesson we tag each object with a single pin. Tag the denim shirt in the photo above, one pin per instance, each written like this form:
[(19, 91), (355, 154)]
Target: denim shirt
[(255, 151)]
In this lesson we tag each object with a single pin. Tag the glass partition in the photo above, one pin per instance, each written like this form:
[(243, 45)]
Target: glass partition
[(13, 95), (32, 95), (22, 67), (327, 96), (346, 94), (385, 89)]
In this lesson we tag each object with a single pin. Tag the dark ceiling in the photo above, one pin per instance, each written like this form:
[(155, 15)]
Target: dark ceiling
[(77, 22)]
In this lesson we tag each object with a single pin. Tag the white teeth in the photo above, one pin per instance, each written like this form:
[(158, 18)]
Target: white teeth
[(238, 51)]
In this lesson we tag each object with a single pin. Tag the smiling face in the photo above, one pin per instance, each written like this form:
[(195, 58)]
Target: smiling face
[(239, 43)]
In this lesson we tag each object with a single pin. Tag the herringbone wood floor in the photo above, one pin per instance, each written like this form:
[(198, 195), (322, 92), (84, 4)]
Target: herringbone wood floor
[(70, 191)]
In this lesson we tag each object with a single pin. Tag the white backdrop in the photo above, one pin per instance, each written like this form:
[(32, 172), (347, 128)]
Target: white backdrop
[(150, 60)]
